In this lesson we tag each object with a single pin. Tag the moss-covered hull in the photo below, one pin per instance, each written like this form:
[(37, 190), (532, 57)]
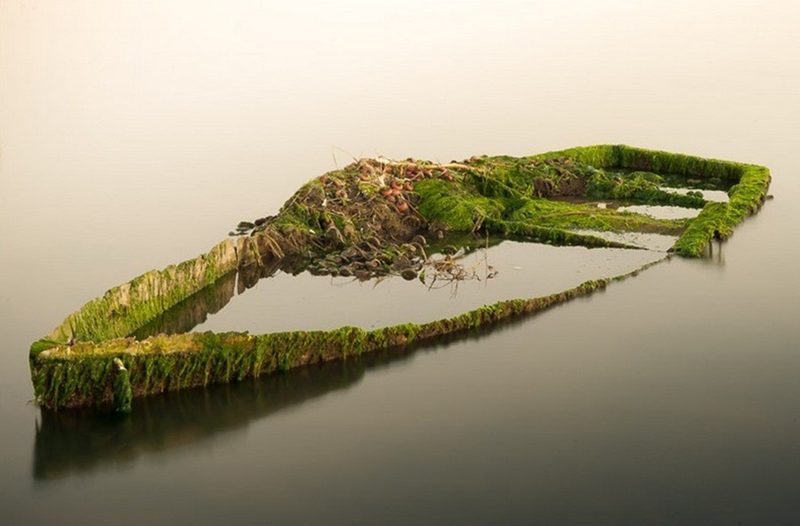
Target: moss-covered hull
[(86, 374), (91, 359)]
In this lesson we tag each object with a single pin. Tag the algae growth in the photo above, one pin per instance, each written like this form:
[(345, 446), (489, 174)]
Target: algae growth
[(372, 218)]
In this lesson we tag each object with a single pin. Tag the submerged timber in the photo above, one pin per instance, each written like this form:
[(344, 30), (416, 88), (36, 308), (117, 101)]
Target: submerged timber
[(372, 218)]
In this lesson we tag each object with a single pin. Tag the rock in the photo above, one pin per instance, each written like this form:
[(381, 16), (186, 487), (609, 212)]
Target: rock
[(409, 274)]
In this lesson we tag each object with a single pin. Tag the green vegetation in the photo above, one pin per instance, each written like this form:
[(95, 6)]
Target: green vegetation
[(86, 374), (716, 220), (457, 206), (123, 309), (376, 213), (638, 187), (556, 214), (123, 394)]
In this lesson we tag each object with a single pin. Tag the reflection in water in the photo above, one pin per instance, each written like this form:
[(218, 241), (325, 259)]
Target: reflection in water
[(196, 309), (78, 441), (524, 270), (192, 311), (715, 255), (130, 130), (250, 276), (71, 442)]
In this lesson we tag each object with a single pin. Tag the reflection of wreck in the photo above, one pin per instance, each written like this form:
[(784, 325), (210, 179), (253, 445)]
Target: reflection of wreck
[(371, 218), (70, 442), (193, 311), (84, 440)]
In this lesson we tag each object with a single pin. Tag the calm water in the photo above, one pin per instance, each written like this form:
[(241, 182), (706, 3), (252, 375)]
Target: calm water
[(524, 270), (136, 136)]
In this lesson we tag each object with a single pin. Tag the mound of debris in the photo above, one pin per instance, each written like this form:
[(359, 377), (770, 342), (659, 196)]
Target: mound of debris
[(375, 217), (359, 221)]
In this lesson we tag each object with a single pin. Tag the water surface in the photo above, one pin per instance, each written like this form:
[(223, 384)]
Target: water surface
[(134, 136)]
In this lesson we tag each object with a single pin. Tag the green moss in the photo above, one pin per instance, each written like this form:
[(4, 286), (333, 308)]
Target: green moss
[(123, 394), (716, 219), (123, 309), (677, 163), (86, 374), (534, 219), (637, 187), (555, 214), (455, 205), (599, 156), (497, 194), (42, 345), (523, 231), (485, 191)]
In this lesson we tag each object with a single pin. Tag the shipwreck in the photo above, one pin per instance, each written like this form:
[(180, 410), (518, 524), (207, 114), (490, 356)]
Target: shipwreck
[(375, 218)]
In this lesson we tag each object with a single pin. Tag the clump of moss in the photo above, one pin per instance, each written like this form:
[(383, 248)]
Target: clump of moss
[(511, 177), (557, 214), (384, 202), (457, 206), (638, 187), (717, 220), (515, 209)]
